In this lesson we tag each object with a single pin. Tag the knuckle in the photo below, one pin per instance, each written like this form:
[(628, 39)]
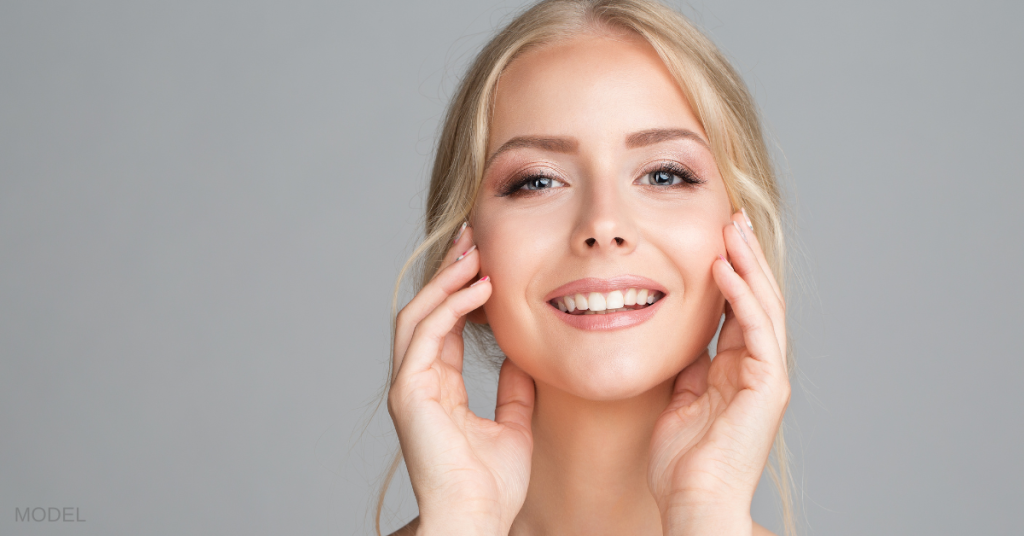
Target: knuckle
[(392, 402), (785, 391), (403, 316), (397, 399)]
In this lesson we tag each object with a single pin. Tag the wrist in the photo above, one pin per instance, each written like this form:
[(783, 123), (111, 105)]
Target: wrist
[(457, 523), (454, 528), (451, 530), (706, 520)]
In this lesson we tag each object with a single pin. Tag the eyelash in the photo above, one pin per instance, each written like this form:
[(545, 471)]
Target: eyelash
[(689, 180), (515, 186)]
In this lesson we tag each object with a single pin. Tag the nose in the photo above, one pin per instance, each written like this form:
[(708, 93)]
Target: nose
[(605, 224)]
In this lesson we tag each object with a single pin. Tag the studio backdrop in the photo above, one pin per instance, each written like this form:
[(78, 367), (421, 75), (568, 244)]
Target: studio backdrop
[(204, 207)]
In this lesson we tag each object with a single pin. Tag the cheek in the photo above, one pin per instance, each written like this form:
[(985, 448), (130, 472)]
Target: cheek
[(692, 248), (520, 251), (691, 236), (514, 249), (690, 241)]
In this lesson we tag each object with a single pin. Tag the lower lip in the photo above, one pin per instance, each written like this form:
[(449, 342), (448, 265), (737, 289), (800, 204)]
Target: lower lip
[(607, 322)]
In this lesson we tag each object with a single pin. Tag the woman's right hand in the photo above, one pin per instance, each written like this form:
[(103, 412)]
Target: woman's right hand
[(469, 474)]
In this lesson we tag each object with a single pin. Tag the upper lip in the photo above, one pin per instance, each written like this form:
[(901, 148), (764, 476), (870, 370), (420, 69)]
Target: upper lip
[(595, 284)]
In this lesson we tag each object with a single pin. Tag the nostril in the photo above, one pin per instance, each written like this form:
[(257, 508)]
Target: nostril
[(618, 241), (591, 242)]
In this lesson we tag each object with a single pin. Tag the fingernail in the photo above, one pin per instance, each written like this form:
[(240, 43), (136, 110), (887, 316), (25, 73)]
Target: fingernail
[(740, 229), (745, 217), (481, 280), (461, 230), (467, 252), (720, 257)]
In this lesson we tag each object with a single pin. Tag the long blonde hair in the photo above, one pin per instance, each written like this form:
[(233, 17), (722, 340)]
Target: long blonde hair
[(715, 91)]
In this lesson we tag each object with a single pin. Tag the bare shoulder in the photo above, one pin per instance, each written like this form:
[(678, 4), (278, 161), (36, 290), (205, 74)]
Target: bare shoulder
[(758, 531), (410, 529)]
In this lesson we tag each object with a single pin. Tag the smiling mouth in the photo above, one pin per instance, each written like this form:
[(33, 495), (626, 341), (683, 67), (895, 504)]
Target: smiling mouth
[(602, 303)]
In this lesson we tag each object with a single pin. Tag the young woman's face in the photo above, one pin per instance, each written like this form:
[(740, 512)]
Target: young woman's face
[(599, 180)]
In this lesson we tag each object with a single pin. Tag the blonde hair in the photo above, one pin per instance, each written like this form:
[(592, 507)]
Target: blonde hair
[(713, 88)]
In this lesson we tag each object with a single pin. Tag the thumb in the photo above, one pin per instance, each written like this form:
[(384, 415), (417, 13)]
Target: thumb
[(516, 394)]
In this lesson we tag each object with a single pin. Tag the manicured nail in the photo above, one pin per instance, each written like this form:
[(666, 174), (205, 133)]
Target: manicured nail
[(461, 230), (745, 217), (726, 262), (467, 252), (481, 280), (740, 229)]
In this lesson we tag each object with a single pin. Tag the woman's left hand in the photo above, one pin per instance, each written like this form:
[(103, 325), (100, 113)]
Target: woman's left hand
[(711, 444)]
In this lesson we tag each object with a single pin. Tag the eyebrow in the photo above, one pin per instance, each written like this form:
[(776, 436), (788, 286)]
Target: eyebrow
[(658, 135), (558, 145), (570, 145)]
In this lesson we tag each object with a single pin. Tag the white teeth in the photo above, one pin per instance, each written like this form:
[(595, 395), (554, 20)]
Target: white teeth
[(611, 302)]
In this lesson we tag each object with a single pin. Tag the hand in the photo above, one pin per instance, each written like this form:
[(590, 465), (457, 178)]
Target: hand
[(711, 444), (469, 474)]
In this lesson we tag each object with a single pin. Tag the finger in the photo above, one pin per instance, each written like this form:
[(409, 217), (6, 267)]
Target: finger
[(516, 395), (462, 242), (755, 244), (691, 383), (453, 346), (731, 336), (749, 261), (758, 332), (745, 263), (450, 279), (429, 335)]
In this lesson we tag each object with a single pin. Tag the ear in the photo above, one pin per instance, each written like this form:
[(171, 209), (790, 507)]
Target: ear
[(477, 316)]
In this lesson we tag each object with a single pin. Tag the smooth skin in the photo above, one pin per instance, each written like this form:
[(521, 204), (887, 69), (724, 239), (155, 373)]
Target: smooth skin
[(628, 431)]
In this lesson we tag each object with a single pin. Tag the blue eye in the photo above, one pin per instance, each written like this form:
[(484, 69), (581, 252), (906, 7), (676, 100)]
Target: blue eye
[(530, 184), (663, 177), (540, 183), (671, 175)]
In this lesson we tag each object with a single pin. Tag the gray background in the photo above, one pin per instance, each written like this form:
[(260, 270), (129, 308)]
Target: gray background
[(203, 207)]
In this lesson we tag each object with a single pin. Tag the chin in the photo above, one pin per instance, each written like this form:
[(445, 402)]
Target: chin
[(608, 374)]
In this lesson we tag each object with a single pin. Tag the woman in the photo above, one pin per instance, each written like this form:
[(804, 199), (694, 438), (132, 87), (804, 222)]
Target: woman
[(606, 182)]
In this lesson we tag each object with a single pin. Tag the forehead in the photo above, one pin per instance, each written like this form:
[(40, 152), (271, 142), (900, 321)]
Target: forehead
[(591, 86)]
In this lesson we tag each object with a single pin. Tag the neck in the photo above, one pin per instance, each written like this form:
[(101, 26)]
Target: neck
[(589, 473)]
